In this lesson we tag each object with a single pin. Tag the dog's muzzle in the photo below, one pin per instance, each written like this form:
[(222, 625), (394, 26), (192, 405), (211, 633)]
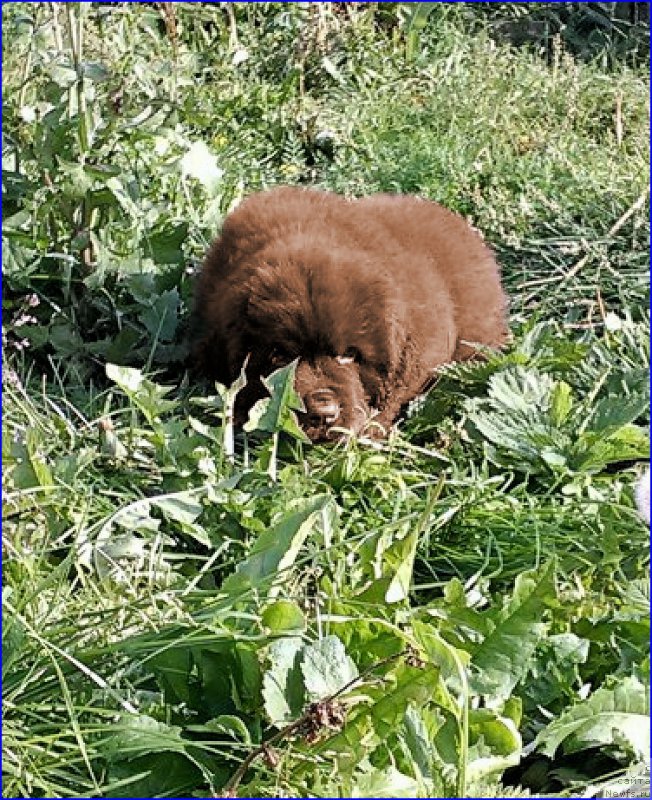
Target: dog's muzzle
[(322, 408)]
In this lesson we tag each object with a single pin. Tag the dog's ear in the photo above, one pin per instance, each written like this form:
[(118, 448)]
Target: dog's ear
[(384, 339), (360, 313), (385, 351), (379, 338)]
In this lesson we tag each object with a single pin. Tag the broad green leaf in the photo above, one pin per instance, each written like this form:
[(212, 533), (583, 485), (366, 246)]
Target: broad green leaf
[(368, 640), (416, 739), (146, 394), (396, 564), (153, 774), (554, 674), (618, 715), (224, 723), (247, 684), (165, 244), (283, 688), (449, 659), (388, 782), (503, 658), (216, 668), (593, 451), (636, 598), (613, 412), (499, 733), (448, 745), (35, 444), (400, 557), (182, 507), (277, 548), (561, 403), (138, 735), (415, 685), (161, 317), (172, 668), (494, 744), (276, 413), (326, 668), (284, 616), (372, 724), (521, 390), (121, 346)]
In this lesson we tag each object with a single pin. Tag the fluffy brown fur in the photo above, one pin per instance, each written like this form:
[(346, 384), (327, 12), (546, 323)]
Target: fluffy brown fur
[(371, 295)]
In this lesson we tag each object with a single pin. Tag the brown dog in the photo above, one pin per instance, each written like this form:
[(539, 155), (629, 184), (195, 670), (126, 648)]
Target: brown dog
[(371, 296)]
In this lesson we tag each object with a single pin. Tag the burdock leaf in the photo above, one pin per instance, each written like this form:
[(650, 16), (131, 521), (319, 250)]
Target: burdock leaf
[(283, 689), (326, 667), (617, 715)]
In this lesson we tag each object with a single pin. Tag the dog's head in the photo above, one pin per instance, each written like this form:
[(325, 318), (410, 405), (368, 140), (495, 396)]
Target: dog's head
[(335, 316), (335, 400), (334, 397)]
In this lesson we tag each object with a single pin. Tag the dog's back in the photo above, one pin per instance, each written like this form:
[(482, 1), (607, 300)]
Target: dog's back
[(275, 215), (457, 253)]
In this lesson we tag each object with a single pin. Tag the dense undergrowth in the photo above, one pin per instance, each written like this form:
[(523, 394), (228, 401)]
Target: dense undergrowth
[(461, 611)]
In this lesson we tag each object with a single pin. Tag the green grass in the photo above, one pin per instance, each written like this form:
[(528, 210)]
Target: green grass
[(462, 600)]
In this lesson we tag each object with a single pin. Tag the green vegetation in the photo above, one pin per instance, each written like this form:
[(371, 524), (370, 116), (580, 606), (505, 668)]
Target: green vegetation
[(461, 611)]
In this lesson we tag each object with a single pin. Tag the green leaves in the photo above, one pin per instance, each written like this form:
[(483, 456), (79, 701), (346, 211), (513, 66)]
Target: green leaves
[(284, 616), (283, 688), (495, 744), (236, 578), (149, 758), (502, 658), (388, 782), (302, 673), (326, 668), (534, 423), (276, 549), (148, 396), (615, 715), (276, 413), (392, 569)]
